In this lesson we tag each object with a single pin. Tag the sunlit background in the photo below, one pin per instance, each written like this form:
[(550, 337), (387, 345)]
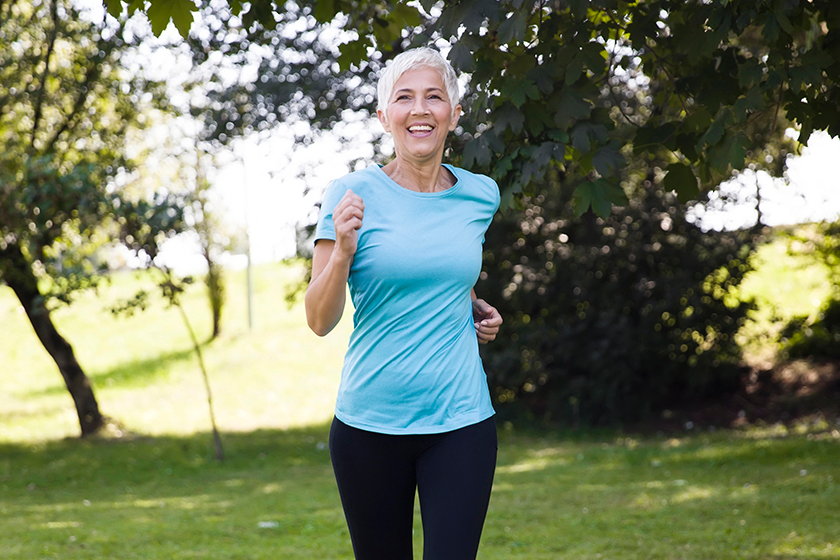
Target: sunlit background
[(266, 186)]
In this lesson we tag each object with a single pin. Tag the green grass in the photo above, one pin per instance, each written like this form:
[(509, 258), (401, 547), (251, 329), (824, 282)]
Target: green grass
[(154, 493), (556, 496), (145, 373)]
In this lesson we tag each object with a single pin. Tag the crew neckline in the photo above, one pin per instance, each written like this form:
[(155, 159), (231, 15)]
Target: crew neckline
[(438, 194)]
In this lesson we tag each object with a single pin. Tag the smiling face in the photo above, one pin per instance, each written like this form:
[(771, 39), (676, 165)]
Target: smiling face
[(419, 115)]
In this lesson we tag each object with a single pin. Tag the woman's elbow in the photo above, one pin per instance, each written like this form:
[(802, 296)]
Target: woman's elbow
[(319, 329), (317, 324)]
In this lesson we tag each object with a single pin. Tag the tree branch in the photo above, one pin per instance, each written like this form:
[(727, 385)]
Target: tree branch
[(609, 86), (779, 103), (40, 99)]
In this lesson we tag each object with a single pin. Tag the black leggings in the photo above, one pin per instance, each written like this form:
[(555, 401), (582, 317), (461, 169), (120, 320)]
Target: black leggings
[(378, 474)]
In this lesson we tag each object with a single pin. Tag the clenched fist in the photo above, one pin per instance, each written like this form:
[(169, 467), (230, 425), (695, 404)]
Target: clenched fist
[(347, 217)]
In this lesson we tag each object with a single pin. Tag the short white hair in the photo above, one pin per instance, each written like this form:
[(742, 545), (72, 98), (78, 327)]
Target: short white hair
[(422, 57)]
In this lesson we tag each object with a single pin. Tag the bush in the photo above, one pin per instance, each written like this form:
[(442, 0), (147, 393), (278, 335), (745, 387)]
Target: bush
[(820, 339), (607, 320)]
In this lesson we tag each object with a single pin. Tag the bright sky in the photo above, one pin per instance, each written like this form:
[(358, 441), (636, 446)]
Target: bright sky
[(810, 191)]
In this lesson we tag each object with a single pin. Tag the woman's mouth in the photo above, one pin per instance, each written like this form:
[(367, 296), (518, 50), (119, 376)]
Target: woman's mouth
[(420, 129)]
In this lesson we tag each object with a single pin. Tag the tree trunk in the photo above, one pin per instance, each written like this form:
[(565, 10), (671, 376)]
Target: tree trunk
[(17, 273)]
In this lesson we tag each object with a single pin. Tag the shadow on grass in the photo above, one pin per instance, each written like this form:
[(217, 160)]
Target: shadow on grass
[(166, 497), (134, 374), (556, 496)]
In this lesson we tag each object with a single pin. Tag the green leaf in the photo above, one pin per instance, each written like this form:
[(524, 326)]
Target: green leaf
[(574, 69), (595, 56), (600, 195), (681, 179), (514, 27), (352, 52), (179, 12), (650, 136), (718, 128), (771, 28), (462, 57), (697, 121), (548, 151), (405, 16), (732, 151), (559, 136), (476, 151), (585, 134), (570, 105), (785, 24), (519, 90), (324, 10), (509, 116), (608, 158), (542, 77), (816, 57), (114, 7), (752, 102), (749, 73), (504, 165)]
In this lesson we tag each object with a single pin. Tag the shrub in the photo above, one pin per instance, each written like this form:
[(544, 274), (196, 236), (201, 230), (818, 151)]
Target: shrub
[(607, 320)]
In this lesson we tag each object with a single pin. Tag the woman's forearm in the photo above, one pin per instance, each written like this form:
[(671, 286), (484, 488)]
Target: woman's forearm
[(327, 291)]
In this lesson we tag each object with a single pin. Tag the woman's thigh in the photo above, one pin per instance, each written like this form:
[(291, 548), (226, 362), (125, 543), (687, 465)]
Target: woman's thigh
[(454, 479), (376, 481)]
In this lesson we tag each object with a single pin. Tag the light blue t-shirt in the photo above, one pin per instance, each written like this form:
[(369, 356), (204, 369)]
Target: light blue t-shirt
[(412, 365)]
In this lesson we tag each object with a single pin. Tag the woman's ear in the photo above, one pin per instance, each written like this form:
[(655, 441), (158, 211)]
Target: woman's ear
[(383, 119), (456, 115)]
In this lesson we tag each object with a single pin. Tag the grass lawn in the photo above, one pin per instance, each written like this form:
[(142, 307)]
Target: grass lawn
[(760, 493)]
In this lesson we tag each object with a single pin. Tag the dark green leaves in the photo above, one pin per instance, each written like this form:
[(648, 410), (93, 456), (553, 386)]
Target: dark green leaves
[(513, 28), (681, 179), (461, 57), (179, 12), (510, 117), (569, 105), (519, 91), (600, 195)]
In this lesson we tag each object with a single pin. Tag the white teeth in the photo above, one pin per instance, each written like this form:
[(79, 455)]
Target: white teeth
[(420, 128)]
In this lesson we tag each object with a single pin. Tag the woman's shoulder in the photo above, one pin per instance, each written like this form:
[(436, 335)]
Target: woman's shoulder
[(358, 181), (476, 181)]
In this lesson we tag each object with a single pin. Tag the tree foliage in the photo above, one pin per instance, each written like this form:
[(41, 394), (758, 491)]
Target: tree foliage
[(818, 335), (66, 108), (610, 319), (730, 70)]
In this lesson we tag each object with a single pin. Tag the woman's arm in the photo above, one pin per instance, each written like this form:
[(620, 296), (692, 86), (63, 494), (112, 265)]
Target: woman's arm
[(487, 319), (326, 294)]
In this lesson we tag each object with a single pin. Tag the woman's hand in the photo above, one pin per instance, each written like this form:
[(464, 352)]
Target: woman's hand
[(347, 218), (487, 320)]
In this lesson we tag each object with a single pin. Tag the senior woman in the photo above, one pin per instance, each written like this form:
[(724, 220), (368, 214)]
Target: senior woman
[(413, 411)]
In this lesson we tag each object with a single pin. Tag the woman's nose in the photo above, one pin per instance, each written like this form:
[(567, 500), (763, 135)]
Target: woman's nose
[(420, 107)]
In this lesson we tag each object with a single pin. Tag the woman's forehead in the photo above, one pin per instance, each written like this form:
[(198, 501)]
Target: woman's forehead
[(421, 77)]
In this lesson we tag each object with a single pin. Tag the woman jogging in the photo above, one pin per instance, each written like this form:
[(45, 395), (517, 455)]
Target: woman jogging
[(413, 412)]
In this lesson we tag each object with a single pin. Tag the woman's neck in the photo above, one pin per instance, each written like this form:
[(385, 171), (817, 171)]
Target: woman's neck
[(427, 177)]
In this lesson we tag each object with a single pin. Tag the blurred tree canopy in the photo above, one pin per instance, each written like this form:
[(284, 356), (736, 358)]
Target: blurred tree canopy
[(728, 72), (67, 108)]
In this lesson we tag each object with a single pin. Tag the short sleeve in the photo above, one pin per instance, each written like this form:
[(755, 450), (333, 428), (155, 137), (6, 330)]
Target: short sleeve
[(494, 199), (325, 228)]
